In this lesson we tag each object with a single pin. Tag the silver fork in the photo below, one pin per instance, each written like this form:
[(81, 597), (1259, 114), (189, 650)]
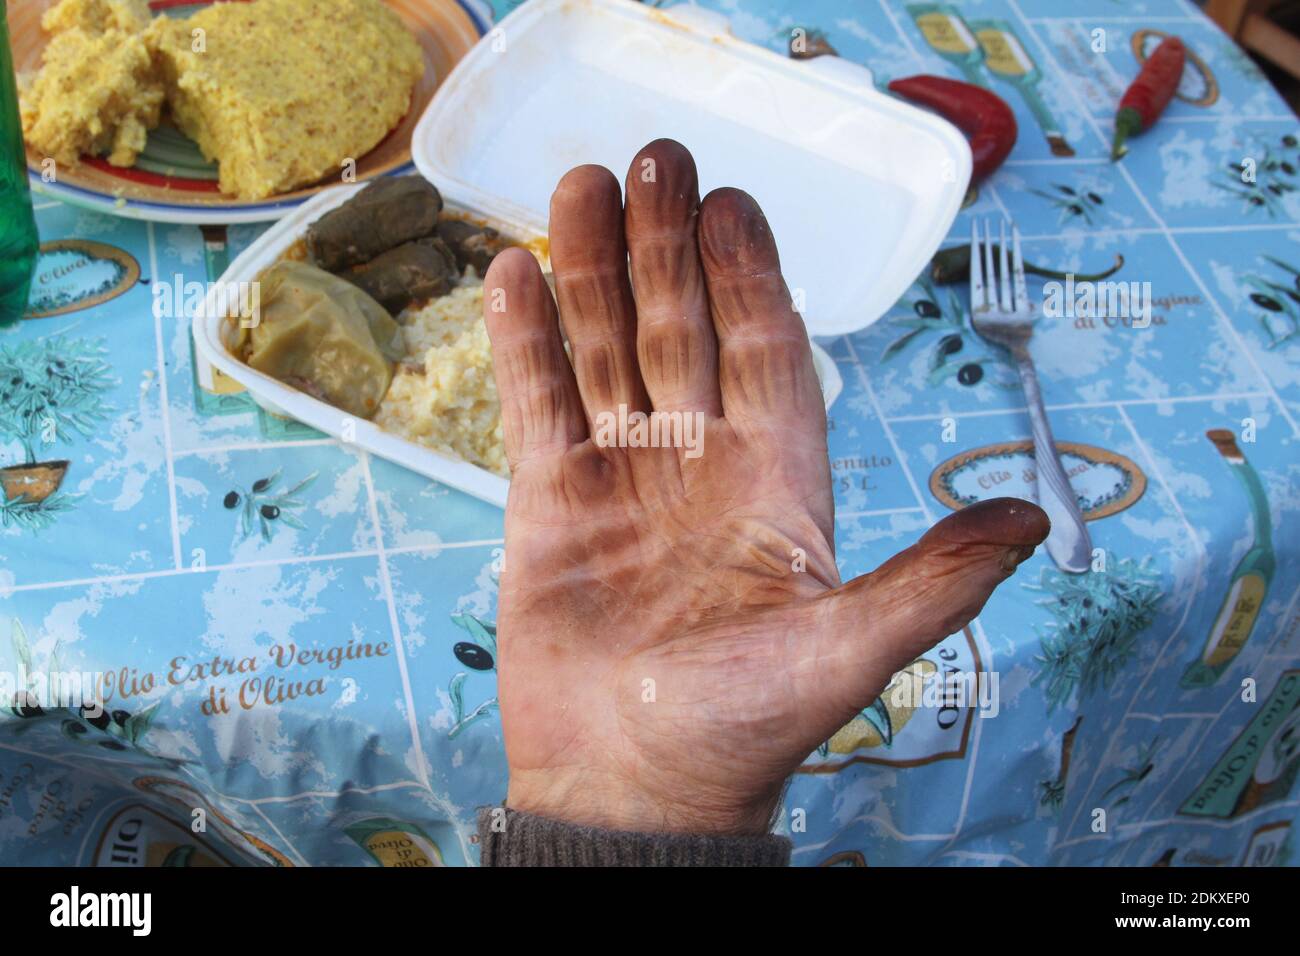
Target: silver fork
[(1001, 313)]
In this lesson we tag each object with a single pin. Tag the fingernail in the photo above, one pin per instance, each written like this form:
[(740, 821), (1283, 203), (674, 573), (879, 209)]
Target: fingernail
[(1013, 558)]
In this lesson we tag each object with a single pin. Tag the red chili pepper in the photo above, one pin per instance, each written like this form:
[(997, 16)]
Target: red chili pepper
[(982, 115), (1150, 93)]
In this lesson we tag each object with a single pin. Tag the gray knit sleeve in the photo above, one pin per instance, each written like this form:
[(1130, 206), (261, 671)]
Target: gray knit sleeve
[(510, 838)]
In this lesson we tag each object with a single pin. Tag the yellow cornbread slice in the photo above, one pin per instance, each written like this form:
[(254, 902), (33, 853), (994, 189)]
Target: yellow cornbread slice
[(97, 90), (280, 93)]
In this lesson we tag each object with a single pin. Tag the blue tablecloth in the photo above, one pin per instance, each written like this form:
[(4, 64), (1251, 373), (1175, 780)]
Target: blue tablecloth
[(272, 616)]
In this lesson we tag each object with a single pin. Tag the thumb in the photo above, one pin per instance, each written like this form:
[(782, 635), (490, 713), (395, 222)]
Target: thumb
[(880, 622)]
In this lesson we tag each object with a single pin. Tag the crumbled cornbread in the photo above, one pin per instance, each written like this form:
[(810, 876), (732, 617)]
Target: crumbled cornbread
[(97, 16), (97, 90), (449, 404), (281, 92)]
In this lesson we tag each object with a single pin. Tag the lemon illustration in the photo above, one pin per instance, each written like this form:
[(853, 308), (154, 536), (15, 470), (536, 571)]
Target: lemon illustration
[(881, 722)]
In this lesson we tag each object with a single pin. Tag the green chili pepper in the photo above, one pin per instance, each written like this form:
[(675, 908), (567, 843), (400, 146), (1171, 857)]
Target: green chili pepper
[(953, 265)]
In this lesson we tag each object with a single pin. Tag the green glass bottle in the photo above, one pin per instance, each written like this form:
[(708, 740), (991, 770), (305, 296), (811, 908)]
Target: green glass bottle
[(1249, 583), (19, 243)]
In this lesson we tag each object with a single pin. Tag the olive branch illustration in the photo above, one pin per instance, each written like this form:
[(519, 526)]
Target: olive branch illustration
[(94, 724), (261, 506), (480, 655), (1098, 619)]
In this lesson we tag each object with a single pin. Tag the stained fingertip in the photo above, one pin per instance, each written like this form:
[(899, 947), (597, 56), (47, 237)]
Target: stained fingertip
[(509, 266), (662, 183), (513, 287), (1013, 522), (582, 185), (735, 237)]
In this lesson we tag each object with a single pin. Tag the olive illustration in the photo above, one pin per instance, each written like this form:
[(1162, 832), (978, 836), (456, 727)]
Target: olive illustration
[(1076, 209), (926, 309), (270, 512), (1067, 190), (1257, 200), (1288, 168), (112, 745), (1095, 199), (99, 720), (231, 500), (261, 484), (120, 717), (473, 656), (1275, 189), (1266, 302), (26, 705), (970, 374), (1288, 140), (950, 344), (73, 728)]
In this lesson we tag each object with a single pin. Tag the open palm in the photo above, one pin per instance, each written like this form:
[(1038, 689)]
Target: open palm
[(674, 637)]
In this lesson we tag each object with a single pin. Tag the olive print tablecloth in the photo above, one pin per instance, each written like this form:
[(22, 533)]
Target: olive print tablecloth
[(296, 643)]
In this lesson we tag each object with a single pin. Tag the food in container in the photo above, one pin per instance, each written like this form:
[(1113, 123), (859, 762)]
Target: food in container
[(444, 396), (395, 332), (321, 334)]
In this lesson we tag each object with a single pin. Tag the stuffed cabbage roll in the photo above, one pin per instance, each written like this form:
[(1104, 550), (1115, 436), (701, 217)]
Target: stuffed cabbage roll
[(323, 335)]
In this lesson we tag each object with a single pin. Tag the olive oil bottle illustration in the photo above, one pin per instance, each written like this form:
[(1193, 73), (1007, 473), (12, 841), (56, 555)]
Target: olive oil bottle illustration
[(395, 842), (947, 33), (1006, 58), (1250, 580), (1261, 765)]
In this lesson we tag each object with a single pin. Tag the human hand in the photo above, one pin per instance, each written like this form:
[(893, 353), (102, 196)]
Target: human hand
[(662, 665)]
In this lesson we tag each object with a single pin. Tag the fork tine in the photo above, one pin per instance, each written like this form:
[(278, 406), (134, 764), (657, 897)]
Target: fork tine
[(1018, 271), (1004, 278), (976, 269), (990, 275)]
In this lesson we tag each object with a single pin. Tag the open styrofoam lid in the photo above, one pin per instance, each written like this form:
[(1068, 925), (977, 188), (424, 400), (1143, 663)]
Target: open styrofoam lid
[(860, 188)]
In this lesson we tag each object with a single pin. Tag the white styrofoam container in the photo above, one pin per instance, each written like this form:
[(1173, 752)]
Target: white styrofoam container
[(860, 188), (214, 334)]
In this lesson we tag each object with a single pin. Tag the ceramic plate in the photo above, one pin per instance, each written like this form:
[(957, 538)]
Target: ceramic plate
[(172, 182)]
